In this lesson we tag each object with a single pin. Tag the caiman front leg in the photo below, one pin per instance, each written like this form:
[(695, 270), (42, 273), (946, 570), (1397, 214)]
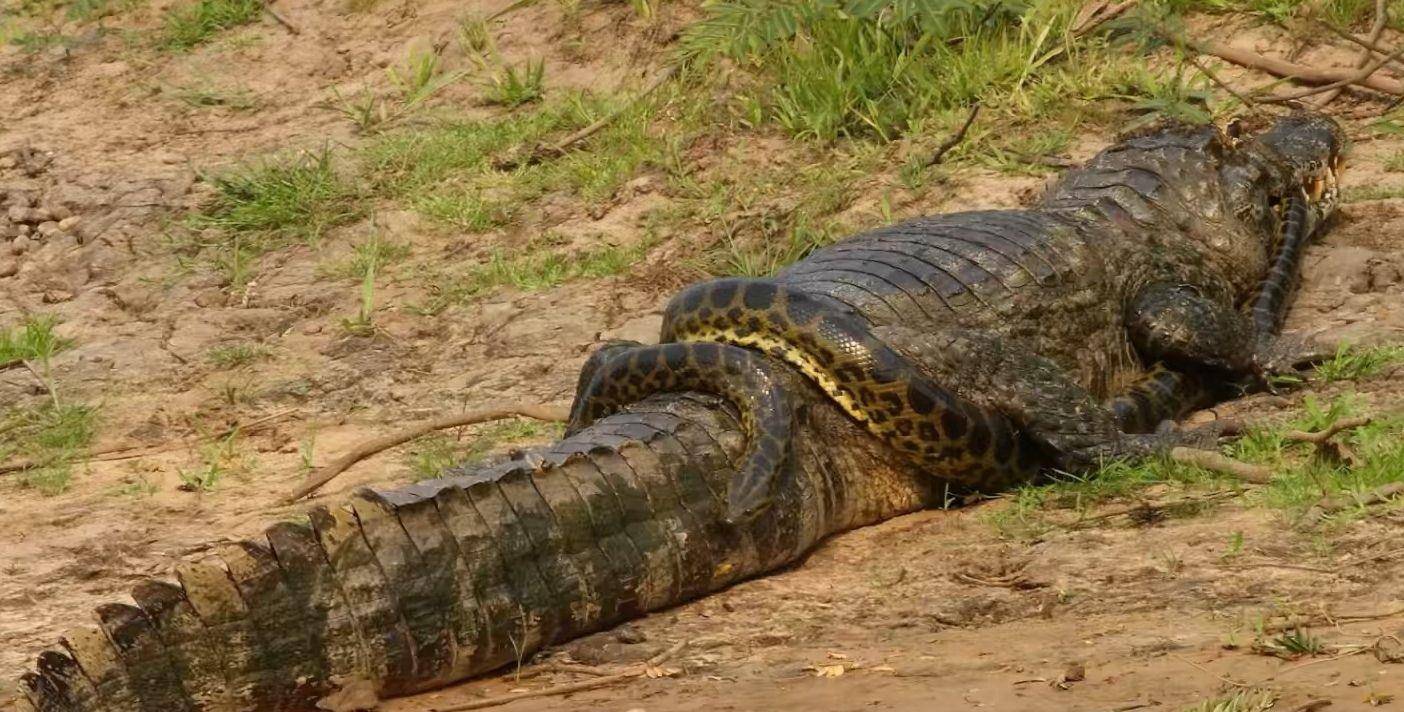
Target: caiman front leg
[(1071, 427)]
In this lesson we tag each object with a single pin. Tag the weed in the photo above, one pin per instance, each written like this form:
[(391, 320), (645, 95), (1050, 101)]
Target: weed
[(189, 25), (1351, 363), (370, 255), (1253, 699), (35, 343), (474, 37), (218, 458), (1234, 547), (1394, 162), (138, 486), (204, 95), (1290, 645), (363, 324), (511, 87), (236, 355)]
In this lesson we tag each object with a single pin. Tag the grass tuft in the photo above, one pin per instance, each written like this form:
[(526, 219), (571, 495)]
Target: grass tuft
[(236, 355), (53, 436), (188, 26), (1353, 363), (1253, 699)]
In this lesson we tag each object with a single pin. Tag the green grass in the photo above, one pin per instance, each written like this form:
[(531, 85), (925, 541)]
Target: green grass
[(265, 205), (1363, 193), (428, 457), (1394, 162), (1030, 510), (205, 95), (236, 355), (187, 26), (34, 340), (447, 172), (54, 436), (512, 86), (1353, 363), (216, 459), (532, 269)]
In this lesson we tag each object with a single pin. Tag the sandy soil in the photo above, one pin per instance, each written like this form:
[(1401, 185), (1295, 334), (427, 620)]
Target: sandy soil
[(902, 616)]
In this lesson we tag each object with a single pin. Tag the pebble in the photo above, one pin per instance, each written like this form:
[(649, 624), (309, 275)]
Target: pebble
[(21, 245), (8, 267), (23, 229), (18, 214), (67, 224), (48, 228)]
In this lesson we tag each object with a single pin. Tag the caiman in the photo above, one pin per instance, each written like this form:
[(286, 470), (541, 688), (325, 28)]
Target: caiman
[(875, 377)]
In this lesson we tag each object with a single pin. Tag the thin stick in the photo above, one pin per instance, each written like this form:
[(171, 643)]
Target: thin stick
[(542, 151), (268, 8), (315, 480), (568, 688), (1292, 70), (1215, 462), (1376, 29), (955, 138), (1204, 68), (1360, 77), (1322, 436), (1372, 46)]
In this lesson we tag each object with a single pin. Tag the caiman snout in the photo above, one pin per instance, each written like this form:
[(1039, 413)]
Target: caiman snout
[(1309, 152)]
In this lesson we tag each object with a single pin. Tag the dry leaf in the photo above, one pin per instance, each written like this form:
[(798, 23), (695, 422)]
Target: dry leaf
[(882, 668), (826, 670)]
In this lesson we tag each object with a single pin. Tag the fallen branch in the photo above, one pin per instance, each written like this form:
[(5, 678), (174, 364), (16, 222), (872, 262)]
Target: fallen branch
[(1330, 505), (543, 151), (1360, 77), (956, 137), (1376, 29), (1215, 462), (567, 688), (132, 452), (1294, 71), (320, 477)]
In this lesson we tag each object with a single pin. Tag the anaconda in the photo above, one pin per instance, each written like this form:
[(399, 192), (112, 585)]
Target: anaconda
[(1024, 314), (1144, 261)]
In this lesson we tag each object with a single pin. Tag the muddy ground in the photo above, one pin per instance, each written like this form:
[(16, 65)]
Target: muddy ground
[(930, 611)]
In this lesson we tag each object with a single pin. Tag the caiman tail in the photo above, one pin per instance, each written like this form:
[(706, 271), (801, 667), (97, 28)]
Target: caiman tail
[(415, 588)]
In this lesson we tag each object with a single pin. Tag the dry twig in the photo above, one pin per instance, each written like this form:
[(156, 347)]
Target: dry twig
[(956, 137), (1360, 77), (1376, 29), (1215, 462), (1294, 71), (315, 480), (567, 688)]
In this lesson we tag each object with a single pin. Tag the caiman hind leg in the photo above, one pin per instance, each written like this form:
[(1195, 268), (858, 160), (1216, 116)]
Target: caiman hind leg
[(946, 435), (621, 373)]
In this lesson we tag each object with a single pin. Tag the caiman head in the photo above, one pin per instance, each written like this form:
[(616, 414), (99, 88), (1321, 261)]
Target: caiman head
[(1300, 155)]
